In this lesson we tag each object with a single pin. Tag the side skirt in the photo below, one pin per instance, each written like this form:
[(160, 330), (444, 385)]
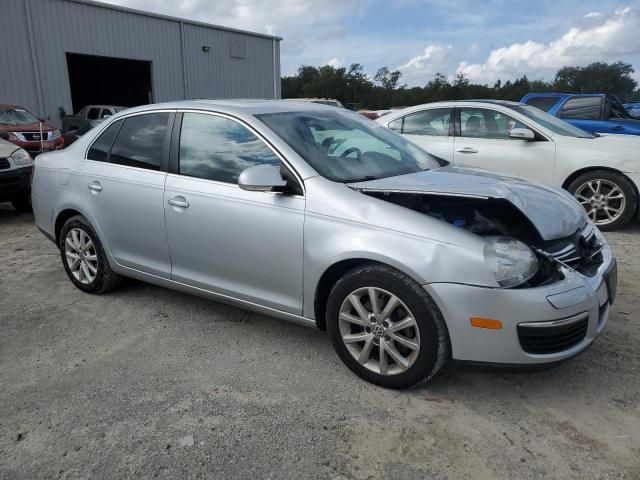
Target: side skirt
[(218, 297)]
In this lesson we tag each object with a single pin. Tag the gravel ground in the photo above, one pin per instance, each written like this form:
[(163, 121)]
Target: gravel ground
[(145, 382)]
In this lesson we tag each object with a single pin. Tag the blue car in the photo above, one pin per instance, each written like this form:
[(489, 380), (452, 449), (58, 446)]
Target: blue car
[(595, 113), (633, 108)]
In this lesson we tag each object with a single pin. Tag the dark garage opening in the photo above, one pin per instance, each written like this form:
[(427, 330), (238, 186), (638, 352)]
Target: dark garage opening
[(108, 81)]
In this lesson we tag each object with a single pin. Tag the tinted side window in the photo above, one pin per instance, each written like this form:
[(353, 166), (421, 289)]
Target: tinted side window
[(217, 148), (482, 123), (140, 142), (428, 122), (93, 114), (586, 108), (543, 103), (100, 148)]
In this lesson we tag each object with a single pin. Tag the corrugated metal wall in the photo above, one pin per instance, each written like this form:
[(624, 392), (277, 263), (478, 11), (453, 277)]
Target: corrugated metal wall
[(40, 32)]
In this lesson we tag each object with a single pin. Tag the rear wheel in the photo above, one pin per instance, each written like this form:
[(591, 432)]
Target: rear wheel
[(608, 198), (83, 257), (386, 328)]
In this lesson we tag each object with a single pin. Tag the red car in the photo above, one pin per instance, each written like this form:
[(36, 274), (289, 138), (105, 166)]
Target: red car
[(27, 131)]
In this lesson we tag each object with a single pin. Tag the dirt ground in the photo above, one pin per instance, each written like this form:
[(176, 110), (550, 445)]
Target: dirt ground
[(145, 382)]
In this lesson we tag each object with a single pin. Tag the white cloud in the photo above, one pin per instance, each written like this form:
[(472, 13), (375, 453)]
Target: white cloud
[(421, 68), (593, 15), (335, 62), (610, 40)]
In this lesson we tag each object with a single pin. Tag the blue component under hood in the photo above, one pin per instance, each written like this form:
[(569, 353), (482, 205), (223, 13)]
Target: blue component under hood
[(552, 211)]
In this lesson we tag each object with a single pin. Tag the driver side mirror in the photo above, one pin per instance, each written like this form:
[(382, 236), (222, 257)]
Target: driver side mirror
[(522, 134), (262, 178)]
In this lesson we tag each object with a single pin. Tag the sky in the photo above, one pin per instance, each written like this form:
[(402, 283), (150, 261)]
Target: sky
[(485, 40)]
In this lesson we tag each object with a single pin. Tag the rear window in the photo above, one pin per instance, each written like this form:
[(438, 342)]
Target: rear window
[(584, 108), (543, 103)]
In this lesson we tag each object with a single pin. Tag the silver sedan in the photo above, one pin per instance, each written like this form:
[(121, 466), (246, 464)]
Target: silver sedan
[(319, 216)]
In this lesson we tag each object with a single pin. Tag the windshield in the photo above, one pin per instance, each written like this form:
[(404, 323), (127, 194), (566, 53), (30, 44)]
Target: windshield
[(552, 123), (16, 116), (347, 147)]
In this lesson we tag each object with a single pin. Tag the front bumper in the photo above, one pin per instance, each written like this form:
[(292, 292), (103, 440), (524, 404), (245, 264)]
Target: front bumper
[(574, 299), (35, 148), (14, 182)]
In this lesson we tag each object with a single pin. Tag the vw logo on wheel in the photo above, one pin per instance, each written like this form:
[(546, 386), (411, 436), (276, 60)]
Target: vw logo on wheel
[(378, 330)]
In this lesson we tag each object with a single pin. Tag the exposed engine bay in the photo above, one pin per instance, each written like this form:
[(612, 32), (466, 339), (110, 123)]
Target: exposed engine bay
[(497, 216)]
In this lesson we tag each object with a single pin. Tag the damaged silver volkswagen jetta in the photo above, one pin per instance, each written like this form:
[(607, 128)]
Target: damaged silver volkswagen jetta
[(322, 217)]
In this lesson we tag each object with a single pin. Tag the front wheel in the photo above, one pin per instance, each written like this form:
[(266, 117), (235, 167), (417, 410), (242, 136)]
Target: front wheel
[(608, 198), (386, 328)]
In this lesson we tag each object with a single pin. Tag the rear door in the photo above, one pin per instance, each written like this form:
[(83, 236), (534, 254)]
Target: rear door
[(242, 244), (482, 141), (123, 178), (431, 129)]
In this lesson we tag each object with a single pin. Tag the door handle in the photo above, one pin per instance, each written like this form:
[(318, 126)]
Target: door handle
[(617, 128), (179, 202), (95, 186), (467, 150)]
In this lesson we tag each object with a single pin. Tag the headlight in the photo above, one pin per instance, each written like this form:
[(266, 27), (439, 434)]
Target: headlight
[(55, 134), (21, 157), (510, 261), (13, 137)]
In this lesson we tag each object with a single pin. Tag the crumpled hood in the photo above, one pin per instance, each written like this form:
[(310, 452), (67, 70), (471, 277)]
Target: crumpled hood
[(553, 212)]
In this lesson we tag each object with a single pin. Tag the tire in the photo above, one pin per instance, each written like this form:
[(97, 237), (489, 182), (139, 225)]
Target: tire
[(589, 185), (22, 203), (96, 276), (428, 333)]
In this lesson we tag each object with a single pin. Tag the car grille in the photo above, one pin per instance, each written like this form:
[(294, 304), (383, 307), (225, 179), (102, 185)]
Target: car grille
[(35, 136), (552, 337), (4, 163), (582, 252)]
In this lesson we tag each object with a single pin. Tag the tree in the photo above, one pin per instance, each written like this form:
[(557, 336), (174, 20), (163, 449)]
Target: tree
[(598, 77), (388, 79), (355, 89)]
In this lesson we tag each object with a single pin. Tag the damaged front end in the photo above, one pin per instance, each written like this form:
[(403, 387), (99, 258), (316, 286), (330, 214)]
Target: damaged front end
[(493, 218)]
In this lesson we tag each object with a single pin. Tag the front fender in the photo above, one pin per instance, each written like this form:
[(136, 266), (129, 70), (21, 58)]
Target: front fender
[(424, 260)]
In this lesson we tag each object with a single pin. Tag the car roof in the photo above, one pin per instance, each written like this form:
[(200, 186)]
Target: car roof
[(237, 106), (565, 94)]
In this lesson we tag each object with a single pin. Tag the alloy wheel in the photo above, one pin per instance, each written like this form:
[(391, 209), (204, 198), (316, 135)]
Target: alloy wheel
[(603, 200), (379, 331), (81, 256)]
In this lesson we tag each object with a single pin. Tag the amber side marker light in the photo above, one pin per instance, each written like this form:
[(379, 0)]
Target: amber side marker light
[(486, 323)]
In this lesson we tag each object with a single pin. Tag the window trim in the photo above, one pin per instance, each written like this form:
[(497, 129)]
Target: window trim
[(164, 161), (458, 125), (602, 107), (174, 166)]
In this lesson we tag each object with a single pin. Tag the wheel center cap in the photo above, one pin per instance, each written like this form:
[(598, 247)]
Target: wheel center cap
[(378, 330)]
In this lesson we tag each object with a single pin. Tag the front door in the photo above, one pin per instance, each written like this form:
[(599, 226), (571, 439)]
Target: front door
[(123, 184), (483, 142), (243, 244)]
